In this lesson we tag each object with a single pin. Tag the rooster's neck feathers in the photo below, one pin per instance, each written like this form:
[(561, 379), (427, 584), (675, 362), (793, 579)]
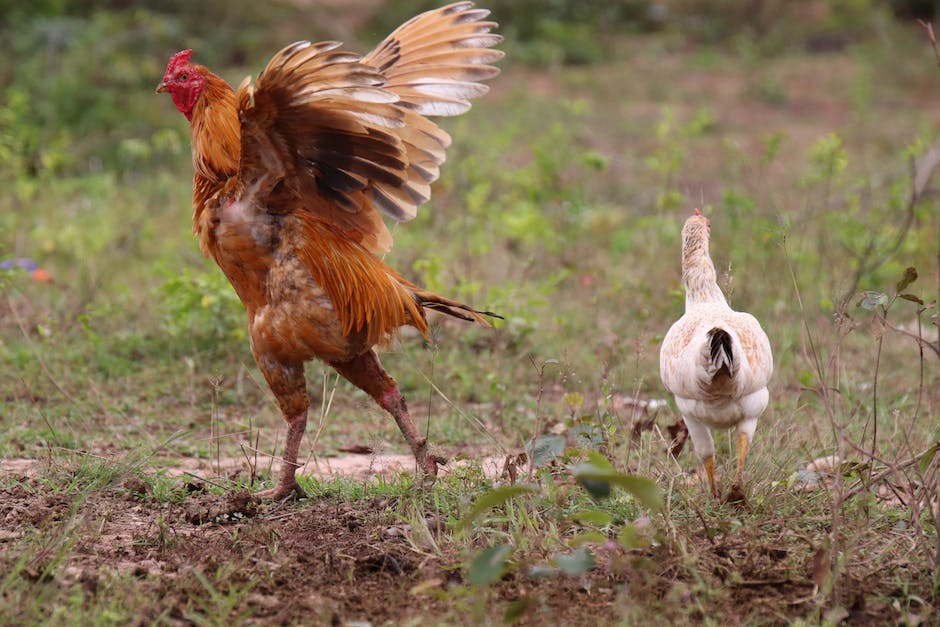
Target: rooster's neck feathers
[(216, 138)]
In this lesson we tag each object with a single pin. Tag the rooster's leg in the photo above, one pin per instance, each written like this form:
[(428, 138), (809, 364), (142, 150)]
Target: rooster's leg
[(366, 373), (287, 383)]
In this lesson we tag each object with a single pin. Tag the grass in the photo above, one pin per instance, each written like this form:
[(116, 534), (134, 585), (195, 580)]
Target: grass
[(560, 207)]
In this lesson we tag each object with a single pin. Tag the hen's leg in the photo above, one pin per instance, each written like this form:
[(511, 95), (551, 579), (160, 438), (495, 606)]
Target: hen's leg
[(366, 373), (736, 492), (745, 432), (709, 463), (705, 448), (742, 453), (287, 383)]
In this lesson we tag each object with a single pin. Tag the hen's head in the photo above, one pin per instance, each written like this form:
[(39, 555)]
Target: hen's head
[(697, 226), (184, 81)]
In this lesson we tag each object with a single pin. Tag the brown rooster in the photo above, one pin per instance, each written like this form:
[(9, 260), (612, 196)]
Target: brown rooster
[(291, 175)]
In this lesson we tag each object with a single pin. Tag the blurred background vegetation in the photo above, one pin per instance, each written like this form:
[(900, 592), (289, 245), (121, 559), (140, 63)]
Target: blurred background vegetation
[(76, 98)]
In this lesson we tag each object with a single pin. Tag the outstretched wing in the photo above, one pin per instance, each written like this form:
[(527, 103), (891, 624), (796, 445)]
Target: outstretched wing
[(345, 137), (317, 136), (433, 63)]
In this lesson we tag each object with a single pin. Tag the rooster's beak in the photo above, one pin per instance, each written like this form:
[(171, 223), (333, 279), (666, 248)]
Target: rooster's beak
[(162, 87)]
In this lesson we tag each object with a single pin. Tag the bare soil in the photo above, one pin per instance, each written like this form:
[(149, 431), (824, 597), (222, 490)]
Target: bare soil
[(340, 560)]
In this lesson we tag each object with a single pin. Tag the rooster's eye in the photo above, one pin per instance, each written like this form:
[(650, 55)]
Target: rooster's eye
[(183, 76)]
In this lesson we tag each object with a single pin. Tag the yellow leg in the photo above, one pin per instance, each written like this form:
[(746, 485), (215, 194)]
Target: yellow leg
[(710, 473), (742, 453)]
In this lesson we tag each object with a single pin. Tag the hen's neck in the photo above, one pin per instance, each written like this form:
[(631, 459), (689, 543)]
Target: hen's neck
[(216, 138), (698, 275)]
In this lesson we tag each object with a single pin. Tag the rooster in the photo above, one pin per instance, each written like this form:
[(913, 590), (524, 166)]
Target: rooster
[(716, 361), (291, 175)]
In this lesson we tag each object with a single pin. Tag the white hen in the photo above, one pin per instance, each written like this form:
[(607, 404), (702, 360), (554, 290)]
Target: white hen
[(716, 361)]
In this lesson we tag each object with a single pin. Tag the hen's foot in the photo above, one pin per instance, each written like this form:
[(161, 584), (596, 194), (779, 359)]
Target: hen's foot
[(735, 496)]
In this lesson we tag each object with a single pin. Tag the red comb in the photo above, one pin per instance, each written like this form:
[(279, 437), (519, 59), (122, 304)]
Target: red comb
[(177, 60), (697, 212)]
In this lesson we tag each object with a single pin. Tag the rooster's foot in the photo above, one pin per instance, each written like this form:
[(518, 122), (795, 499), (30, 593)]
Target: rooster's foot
[(428, 463), (281, 492)]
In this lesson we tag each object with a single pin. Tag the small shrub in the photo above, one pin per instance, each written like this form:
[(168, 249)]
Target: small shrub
[(202, 305)]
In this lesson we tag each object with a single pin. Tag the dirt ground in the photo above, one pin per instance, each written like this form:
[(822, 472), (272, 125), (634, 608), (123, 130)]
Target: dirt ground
[(346, 561)]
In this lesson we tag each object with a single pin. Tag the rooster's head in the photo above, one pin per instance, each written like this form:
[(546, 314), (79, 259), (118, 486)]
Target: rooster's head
[(184, 81)]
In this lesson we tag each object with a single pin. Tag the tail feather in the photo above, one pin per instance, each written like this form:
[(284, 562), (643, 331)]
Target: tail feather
[(721, 357), (432, 301)]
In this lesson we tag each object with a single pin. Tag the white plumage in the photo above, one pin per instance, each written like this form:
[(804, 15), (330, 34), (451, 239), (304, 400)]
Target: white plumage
[(716, 361)]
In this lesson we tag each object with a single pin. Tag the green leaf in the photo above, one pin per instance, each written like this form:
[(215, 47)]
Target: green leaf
[(518, 608), (598, 488), (913, 298), (628, 537), (928, 457), (910, 275), (492, 499), (542, 570), (806, 378), (594, 517), (545, 449), (598, 481), (599, 461), (488, 565), (870, 300), (575, 563)]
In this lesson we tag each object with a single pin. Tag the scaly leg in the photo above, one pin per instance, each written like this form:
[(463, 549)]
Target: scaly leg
[(709, 463), (704, 448), (742, 453), (736, 493), (366, 373), (287, 383), (287, 483)]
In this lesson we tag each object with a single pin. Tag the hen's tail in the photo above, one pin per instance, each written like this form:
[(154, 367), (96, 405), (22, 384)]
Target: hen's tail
[(720, 355), (432, 301)]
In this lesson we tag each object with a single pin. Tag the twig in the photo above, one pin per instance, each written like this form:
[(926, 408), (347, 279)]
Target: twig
[(874, 396), (919, 339), (936, 53), (468, 417), (427, 429), (927, 26), (214, 424), (538, 413), (863, 486), (326, 403), (701, 517), (868, 260)]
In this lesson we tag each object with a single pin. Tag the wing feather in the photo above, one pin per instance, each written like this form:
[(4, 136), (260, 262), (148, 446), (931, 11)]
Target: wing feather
[(433, 63), (318, 130), (343, 137)]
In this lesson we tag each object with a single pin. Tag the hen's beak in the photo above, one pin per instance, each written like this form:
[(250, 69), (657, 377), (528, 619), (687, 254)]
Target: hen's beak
[(162, 87)]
